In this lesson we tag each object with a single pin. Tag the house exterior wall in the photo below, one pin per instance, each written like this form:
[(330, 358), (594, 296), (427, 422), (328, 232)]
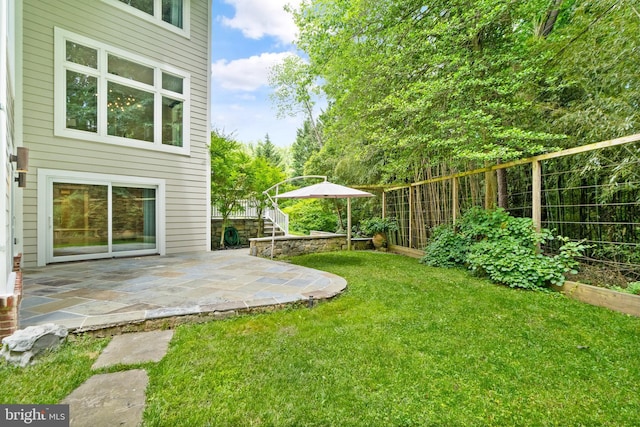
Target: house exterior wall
[(184, 174), (10, 276)]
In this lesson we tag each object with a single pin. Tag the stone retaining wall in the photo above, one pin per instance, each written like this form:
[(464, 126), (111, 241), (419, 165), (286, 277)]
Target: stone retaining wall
[(299, 245), (247, 229)]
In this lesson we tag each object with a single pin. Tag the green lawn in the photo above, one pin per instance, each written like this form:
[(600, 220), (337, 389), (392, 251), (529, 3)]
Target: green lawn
[(404, 345)]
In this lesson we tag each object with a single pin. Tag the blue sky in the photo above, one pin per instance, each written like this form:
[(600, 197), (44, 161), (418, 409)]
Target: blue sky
[(248, 38)]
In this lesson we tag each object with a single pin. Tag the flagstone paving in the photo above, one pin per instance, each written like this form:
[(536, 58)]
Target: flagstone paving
[(133, 348), (89, 295), (98, 294), (105, 400)]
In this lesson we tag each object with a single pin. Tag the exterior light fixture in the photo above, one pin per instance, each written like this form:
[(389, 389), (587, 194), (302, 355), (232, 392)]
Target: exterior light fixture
[(21, 159), (22, 165), (21, 179)]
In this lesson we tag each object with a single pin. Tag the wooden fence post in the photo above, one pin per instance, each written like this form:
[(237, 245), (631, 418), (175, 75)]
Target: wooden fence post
[(410, 215), (384, 204), (536, 194), (490, 189), (454, 197)]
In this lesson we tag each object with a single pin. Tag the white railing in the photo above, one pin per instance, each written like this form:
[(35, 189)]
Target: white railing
[(278, 218), (249, 209), (245, 209)]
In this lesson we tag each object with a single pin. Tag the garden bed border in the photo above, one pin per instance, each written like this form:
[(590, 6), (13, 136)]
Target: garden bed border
[(601, 297)]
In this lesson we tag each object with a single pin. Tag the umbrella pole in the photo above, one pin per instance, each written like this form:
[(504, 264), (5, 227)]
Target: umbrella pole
[(348, 223), (273, 225)]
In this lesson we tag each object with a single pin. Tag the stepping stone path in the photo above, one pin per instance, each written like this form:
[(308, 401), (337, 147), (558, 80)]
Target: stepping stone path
[(118, 399)]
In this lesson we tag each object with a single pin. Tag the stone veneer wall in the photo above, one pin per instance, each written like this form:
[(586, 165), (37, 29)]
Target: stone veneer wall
[(247, 229), (298, 245), (10, 304)]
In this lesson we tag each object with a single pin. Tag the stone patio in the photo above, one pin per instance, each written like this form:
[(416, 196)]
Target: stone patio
[(91, 295)]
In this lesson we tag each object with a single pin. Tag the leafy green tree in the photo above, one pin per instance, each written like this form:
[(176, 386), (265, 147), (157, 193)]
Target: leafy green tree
[(590, 86), (418, 85), (231, 175), (263, 175), (414, 86), (294, 88)]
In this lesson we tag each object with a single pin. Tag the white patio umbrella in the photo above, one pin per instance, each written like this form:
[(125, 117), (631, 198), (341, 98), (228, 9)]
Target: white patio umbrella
[(327, 190)]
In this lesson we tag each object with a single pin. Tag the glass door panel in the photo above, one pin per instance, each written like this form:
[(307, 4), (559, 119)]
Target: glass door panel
[(80, 219), (134, 218)]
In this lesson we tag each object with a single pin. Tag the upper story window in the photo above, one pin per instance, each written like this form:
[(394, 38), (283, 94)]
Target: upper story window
[(171, 14), (108, 95)]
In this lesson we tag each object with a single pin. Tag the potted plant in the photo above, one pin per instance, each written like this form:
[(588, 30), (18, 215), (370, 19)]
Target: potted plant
[(378, 228)]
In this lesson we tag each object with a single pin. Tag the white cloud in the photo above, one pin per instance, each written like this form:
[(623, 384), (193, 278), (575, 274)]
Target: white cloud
[(247, 97), (257, 18), (246, 74)]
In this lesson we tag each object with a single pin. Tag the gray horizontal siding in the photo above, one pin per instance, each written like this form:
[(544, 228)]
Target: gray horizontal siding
[(185, 175)]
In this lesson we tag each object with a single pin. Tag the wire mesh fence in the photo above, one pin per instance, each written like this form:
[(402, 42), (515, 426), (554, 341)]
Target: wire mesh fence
[(589, 193)]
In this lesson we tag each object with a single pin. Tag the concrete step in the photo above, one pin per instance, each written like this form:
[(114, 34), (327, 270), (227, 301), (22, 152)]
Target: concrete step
[(268, 229)]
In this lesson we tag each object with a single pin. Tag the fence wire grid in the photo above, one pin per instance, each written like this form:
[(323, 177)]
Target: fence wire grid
[(590, 194)]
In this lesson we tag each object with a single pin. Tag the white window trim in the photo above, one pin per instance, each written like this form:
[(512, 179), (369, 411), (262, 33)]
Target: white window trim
[(46, 177), (61, 67), (156, 18)]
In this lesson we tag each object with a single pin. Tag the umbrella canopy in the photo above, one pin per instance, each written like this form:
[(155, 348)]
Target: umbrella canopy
[(323, 190), (327, 190)]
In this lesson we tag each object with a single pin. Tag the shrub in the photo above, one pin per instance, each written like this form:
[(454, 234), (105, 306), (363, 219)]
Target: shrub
[(310, 214), (446, 248), (632, 288), (375, 225), (503, 248)]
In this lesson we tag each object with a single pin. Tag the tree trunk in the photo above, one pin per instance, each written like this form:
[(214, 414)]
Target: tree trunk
[(260, 221), (341, 223), (550, 19), (224, 225), (316, 132)]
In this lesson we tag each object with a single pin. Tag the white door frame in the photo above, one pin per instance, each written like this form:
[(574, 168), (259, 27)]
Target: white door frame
[(46, 178)]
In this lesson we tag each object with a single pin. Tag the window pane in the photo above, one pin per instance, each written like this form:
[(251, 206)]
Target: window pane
[(79, 219), (172, 12), (172, 83), (129, 112), (134, 218), (130, 70), (171, 122), (143, 5), (82, 55), (82, 102)]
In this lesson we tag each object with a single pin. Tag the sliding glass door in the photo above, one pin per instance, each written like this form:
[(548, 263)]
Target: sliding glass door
[(133, 218), (100, 220), (80, 219)]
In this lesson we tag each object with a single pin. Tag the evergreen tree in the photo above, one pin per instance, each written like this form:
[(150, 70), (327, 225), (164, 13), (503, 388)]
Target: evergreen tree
[(303, 148), (266, 150)]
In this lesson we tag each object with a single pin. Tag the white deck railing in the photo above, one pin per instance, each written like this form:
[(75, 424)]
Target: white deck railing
[(245, 209), (278, 218), (249, 209)]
